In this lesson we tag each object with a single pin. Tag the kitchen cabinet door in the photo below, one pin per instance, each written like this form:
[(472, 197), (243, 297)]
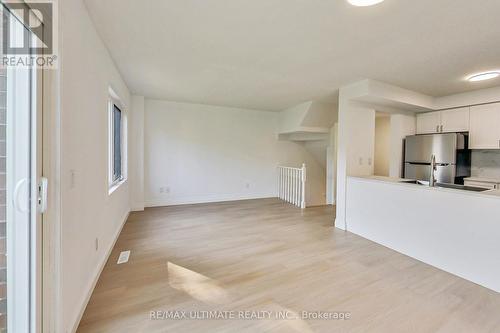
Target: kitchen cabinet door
[(485, 126), (428, 123), (455, 120)]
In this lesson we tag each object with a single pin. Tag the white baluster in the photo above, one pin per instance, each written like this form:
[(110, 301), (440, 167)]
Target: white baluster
[(297, 202), (279, 182), (299, 181), (299, 188), (296, 189), (283, 178), (289, 185), (286, 184), (303, 181)]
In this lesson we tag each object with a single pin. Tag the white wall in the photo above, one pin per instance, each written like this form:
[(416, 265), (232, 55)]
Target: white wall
[(136, 145), (310, 116), (291, 119), (88, 212), (356, 144), (320, 115), (481, 96), (382, 145), (331, 166), (201, 153)]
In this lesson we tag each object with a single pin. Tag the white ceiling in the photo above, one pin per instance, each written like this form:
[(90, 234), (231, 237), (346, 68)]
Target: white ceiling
[(273, 54)]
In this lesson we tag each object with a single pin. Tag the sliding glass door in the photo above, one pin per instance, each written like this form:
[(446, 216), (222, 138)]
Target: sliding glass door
[(3, 199), (20, 171)]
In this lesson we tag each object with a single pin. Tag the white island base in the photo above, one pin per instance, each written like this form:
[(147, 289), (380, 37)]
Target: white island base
[(456, 231)]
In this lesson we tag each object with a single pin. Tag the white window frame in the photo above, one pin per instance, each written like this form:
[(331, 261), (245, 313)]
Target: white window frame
[(112, 101)]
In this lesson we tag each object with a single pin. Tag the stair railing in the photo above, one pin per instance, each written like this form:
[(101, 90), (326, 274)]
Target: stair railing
[(292, 185)]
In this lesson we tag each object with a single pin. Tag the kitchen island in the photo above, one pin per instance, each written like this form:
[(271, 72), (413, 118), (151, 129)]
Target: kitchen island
[(454, 230)]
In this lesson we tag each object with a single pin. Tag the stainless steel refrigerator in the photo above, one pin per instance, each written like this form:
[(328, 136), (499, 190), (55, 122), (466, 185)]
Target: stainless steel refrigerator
[(453, 157)]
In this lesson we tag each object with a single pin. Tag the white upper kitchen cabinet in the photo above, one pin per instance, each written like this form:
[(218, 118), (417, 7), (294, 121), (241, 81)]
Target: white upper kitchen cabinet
[(455, 120), (428, 123), (447, 121), (485, 126)]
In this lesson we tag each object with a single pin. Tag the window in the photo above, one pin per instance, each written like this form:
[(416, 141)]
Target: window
[(117, 142), (117, 145)]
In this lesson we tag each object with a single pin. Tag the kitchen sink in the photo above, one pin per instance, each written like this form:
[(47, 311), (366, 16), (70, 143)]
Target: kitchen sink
[(416, 182), (462, 187), (444, 185)]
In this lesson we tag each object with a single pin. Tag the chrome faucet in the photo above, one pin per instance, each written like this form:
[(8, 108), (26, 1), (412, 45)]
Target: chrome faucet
[(432, 180)]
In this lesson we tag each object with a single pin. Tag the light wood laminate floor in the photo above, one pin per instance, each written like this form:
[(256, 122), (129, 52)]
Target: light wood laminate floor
[(265, 255)]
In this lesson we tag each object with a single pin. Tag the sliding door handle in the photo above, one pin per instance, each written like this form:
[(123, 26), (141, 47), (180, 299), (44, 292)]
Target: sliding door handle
[(17, 196)]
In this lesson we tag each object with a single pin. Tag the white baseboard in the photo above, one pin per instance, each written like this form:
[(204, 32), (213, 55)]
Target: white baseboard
[(97, 275), (340, 224), (162, 202)]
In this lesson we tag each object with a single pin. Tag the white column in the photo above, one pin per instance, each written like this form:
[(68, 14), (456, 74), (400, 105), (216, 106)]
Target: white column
[(297, 187), (303, 194)]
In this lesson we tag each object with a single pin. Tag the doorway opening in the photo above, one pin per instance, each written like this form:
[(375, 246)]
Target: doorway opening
[(382, 144)]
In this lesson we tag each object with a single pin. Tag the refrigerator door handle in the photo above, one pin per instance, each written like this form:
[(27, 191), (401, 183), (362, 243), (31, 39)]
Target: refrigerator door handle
[(418, 163)]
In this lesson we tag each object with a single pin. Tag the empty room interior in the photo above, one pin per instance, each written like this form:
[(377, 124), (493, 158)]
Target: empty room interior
[(249, 166)]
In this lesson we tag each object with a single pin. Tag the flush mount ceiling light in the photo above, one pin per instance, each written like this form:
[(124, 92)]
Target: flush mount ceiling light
[(364, 3), (484, 76)]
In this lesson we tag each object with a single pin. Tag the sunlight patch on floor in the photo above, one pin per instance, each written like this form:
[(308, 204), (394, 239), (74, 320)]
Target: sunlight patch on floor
[(196, 285), (298, 324)]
